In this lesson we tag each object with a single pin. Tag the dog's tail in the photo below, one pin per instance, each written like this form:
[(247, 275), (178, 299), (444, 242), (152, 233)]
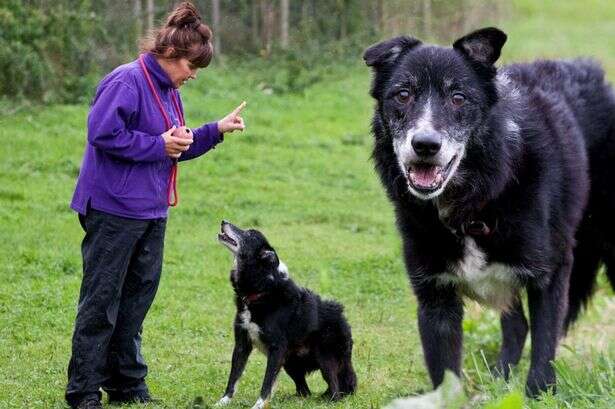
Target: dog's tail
[(590, 257), (595, 238), (347, 377), (588, 261)]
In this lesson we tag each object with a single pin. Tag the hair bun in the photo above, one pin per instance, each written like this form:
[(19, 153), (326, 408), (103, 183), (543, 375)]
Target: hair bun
[(185, 14), (183, 35)]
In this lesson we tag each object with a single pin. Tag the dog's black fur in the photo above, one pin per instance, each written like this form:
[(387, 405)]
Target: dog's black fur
[(292, 326), (489, 171)]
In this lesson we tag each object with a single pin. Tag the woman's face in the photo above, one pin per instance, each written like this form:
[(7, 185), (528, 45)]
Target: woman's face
[(179, 70)]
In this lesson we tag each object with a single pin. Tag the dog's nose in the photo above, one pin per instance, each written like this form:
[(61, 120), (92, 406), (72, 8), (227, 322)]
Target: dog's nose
[(427, 143)]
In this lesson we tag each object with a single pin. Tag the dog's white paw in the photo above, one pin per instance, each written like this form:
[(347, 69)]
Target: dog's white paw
[(224, 401), (448, 395), (260, 404)]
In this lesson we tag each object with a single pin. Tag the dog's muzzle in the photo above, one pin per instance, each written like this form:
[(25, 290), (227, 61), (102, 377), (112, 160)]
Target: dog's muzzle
[(426, 177), (229, 236)]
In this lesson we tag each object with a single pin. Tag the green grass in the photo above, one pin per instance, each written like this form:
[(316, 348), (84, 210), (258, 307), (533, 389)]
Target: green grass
[(301, 173)]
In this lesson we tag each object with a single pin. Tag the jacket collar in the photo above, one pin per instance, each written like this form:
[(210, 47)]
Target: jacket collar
[(157, 73)]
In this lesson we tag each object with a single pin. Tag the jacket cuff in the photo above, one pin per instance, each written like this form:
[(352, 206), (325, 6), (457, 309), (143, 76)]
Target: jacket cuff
[(210, 133), (160, 147), (212, 129)]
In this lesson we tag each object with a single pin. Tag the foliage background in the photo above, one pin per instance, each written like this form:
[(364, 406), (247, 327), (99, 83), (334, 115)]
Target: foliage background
[(55, 51)]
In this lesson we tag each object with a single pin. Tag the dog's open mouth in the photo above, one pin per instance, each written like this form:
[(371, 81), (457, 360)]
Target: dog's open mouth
[(226, 239), (427, 178)]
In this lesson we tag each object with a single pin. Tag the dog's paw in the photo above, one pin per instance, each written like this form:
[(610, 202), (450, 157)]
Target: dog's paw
[(448, 395), (261, 404), (224, 401), (501, 370), (327, 395), (538, 383)]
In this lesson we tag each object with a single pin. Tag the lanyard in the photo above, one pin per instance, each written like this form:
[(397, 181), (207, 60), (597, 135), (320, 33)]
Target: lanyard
[(172, 195)]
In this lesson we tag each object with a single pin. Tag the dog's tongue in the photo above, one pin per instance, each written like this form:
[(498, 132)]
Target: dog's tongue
[(425, 176)]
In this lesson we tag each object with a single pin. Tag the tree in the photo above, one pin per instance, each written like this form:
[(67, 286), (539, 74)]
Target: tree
[(150, 15), (137, 12), (427, 27), (284, 11), (268, 18), (215, 15), (255, 15)]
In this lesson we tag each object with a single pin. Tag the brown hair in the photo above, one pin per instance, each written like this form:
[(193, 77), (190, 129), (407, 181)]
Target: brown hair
[(184, 34)]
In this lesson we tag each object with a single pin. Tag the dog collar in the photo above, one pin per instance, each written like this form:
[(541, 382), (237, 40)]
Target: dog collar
[(250, 298), (478, 228)]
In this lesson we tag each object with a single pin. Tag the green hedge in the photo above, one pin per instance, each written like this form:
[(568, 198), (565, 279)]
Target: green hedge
[(46, 52)]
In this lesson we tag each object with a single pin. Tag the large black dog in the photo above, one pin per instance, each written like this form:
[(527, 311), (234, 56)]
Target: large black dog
[(489, 171), (291, 325)]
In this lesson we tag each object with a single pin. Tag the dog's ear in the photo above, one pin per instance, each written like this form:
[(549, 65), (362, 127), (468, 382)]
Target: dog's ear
[(483, 46), (388, 51)]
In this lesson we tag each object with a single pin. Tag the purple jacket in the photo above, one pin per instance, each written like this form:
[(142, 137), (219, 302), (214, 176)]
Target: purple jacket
[(125, 170)]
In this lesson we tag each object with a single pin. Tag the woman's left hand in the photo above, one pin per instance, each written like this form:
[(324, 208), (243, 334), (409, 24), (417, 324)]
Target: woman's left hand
[(232, 122)]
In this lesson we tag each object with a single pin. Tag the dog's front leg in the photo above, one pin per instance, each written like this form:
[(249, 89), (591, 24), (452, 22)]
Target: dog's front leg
[(514, 332), (241, 352), (440, 314), (548, 307), (275, 360)]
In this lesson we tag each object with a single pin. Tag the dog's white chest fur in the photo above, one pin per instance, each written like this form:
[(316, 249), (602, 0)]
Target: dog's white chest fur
[(493, 284), (253, 330)]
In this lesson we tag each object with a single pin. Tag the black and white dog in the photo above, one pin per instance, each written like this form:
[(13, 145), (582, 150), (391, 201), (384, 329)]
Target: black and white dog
[(489, 171), (291, 325)]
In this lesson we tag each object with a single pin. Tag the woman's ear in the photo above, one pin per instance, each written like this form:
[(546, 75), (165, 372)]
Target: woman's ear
[(169, 53)]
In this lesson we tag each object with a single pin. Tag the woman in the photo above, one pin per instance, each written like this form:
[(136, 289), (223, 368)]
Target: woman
[(136, 135)]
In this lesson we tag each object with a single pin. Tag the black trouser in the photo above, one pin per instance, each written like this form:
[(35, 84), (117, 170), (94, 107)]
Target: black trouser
[(122, 262)]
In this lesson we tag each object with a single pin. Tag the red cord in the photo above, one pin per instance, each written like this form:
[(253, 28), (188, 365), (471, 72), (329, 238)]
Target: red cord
[(172, 186)]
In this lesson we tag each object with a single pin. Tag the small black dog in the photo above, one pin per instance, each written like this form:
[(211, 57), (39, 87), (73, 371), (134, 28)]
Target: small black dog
[(291, 325)]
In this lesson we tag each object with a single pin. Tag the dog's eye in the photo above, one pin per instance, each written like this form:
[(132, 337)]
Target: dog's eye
[(403, 96), (458, 99)]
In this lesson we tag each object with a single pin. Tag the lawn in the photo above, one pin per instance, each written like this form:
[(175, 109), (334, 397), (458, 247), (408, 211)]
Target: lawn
[(301, 173)]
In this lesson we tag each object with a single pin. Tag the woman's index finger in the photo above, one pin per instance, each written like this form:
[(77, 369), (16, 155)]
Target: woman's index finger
[(239, 108)]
